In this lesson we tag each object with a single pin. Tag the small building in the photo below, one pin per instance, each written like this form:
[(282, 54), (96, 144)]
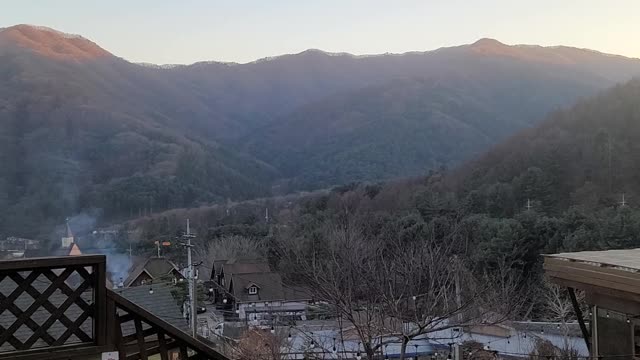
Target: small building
[(611, 282), (68, 239), (223, 270), (72, 250), (256, 293), (14, 247), (260, 297), (152, 270)]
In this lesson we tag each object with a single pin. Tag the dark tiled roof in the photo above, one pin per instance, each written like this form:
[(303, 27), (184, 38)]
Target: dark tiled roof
[(245, 268), (217, 266), (269, 286), (155, 267), (161, 303)]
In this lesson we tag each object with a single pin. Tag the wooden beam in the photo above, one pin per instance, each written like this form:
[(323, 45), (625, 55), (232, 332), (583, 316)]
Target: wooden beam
[(585, 278), (122, 354), (162, 344), (148, 332), (621, 277), (50, 262), (110, 335), (595, 289), (140, 335), (184, 354), (583, 327), (100, 303)]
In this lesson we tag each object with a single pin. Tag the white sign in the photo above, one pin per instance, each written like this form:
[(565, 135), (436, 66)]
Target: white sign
[(112, 355)]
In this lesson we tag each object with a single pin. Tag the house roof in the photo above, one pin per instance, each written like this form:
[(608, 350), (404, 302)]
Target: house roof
[(161, 303), (72, 250), (255, 266), (217, 266), (270, 285), (628, 259), (155, 267)]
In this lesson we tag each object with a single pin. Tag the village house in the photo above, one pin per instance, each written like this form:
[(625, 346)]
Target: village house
[(257, 294), (151, 270), (611, 282), (15, 247)]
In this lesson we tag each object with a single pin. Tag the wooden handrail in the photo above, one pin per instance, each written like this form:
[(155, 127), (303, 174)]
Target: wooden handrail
[(51, 262), (39, 279), (89, 273), (179, 335)]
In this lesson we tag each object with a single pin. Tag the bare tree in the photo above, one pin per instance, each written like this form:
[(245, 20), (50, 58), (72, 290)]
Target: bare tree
[(558, 307), (394, 292), (260, 345)]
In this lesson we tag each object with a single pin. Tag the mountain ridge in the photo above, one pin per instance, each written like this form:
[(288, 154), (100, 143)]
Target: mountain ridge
[(99, 131), (483, 45), (52, 43)]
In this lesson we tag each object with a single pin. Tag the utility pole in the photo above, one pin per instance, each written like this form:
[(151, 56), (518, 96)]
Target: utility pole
[(623, 203), (458, 290), (192, 296), (130, 252), (609, 148), (529, 206)]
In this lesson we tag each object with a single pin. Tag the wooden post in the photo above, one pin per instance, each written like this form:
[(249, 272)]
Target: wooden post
[(100, 302), (583, 327)]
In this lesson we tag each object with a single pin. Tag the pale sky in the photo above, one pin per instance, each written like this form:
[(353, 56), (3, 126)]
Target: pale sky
[(186, 31)]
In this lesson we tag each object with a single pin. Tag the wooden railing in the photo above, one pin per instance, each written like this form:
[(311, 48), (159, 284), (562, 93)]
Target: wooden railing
[(150, 334), (59, 308)]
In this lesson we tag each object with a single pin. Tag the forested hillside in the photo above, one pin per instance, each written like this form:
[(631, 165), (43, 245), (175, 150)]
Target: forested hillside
[(408, 127), (555, 188), (439, 109), (82, 130)]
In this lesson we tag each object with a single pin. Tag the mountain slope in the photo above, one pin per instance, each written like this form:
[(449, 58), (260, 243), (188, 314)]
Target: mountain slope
[(82, 128), (79, 132), (467, 100), (585, 155)]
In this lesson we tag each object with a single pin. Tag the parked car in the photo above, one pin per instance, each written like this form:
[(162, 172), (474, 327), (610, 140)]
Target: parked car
[(200, 308)]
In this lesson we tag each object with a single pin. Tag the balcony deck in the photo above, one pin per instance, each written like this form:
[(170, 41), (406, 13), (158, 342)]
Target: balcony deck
[(60, 308)]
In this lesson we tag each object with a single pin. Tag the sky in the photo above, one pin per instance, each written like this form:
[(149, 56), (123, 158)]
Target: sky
[(186, 31)]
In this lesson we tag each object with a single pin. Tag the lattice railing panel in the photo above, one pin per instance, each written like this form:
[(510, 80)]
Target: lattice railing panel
[(46, 306)]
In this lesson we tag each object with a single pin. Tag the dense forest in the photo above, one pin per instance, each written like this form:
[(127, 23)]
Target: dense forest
[(83, 131), (558, 187)]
